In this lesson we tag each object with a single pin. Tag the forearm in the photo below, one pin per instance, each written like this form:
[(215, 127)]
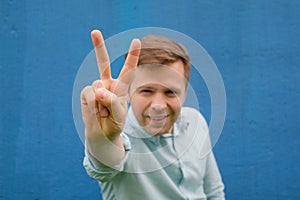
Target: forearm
[(109, 152), (213, 184)]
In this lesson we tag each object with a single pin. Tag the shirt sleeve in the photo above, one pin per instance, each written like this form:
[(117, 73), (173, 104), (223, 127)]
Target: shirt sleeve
[(212, 180), (101, 172), (213, 185)]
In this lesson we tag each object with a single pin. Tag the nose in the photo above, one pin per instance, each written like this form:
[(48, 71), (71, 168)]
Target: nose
[(158, 104)]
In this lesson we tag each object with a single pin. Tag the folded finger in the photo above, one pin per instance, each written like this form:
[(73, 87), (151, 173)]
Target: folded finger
[(97, 84), (88, 99)]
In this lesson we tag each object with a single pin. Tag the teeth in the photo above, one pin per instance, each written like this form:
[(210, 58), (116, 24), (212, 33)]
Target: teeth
[(158, 118)]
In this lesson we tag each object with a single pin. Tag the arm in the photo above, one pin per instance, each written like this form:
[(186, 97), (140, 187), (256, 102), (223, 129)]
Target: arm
[(104, 105), (102, 172), (213, 185)]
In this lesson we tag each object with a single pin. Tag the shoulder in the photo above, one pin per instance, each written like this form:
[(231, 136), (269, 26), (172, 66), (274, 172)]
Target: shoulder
[(190, 110), (191, 115), (197, 128)]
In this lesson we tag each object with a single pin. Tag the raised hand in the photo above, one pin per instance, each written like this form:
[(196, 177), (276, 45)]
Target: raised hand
[(104, 105)]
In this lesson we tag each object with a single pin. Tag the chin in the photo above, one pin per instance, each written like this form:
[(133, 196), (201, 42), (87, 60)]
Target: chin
[(157, 131)]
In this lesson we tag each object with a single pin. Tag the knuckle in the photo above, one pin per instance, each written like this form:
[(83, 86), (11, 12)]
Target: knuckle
[(85, 90), (87, 94), (97, 83)]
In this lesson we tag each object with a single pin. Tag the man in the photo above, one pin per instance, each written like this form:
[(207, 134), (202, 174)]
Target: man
[(156, 149)]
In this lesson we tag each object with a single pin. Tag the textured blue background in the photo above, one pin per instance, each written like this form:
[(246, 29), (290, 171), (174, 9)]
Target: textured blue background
[(255, 44)]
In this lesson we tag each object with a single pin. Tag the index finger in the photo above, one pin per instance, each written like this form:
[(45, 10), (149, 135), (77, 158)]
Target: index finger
[(101, 55)]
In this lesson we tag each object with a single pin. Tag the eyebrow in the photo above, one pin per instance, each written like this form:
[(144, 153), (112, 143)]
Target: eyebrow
[(176, 90), (144, 87)]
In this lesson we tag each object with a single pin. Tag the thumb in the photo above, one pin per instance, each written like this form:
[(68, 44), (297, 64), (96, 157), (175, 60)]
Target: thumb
[(114, 104), (105, 97)]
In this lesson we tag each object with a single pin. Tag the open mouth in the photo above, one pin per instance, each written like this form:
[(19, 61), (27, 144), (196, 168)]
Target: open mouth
[(158, 120)]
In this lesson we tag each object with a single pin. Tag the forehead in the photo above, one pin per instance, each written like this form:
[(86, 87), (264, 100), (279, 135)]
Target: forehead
[(167, 76)]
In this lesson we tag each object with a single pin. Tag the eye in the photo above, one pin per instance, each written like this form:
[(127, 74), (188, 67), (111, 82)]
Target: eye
[(146, 91), (171, 93)]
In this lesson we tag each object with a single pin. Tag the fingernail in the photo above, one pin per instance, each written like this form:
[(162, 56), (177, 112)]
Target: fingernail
[(101, 93), (136, 44)]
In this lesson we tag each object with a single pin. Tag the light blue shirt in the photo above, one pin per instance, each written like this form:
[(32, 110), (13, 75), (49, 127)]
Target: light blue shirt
[(172, 166)]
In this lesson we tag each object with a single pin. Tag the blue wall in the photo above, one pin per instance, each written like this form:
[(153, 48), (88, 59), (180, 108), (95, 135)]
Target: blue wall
[(255, 45)]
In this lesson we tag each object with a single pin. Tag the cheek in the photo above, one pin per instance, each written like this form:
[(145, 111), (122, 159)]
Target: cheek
[(138, 103), (176, 103)]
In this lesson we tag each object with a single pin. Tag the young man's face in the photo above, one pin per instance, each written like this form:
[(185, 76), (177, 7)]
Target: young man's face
[(156, 96)]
